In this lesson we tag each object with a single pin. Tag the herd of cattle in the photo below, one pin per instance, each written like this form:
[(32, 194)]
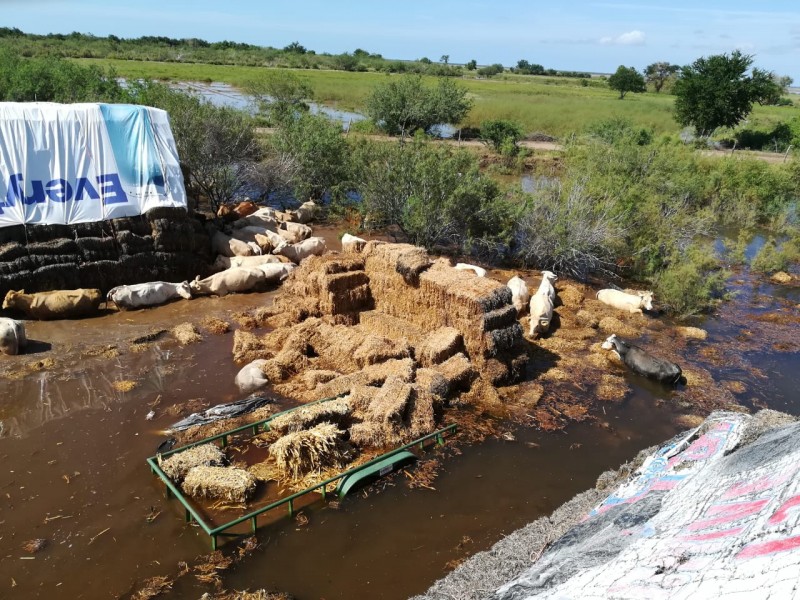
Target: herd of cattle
[(263, 246)]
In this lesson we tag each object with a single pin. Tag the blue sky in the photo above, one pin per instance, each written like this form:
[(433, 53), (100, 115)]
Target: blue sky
[(576, 35)]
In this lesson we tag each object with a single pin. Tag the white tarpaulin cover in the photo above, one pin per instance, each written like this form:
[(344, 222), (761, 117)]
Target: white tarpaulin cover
[(75, 163)]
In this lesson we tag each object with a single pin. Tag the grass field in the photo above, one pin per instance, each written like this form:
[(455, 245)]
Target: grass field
[(555, 106)]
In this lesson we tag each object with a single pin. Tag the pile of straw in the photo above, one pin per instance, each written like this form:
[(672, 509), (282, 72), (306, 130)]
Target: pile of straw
[(186, 334), (438, 346), (611, 325), (395, 328), (314, 377), (310, 451), (334, 411), (219, 483), (178, 465), (371, 375), (248, 347)]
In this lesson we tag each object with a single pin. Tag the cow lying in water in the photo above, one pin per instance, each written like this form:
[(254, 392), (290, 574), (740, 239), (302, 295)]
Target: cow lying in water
[(148, 294), (61, 304), (643, 363), (240, 279), (633, 303), (12, 336)]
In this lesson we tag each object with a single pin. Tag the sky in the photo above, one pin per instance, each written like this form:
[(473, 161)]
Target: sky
[(595, 36)]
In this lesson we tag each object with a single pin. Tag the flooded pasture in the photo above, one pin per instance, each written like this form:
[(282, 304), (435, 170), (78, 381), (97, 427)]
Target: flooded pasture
[(73, 449)]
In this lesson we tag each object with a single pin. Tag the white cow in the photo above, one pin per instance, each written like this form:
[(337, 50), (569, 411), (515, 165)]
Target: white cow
[(351, 243), (313, 246), (251, 378), (237, 279), (306, 212), (148, 294), (225, 245), (294, 232), (541, 312), (12, 336), (480, 272), (258, 219), (275, 272), (548, 279), (633, 303), (520, 295), (226, 262)]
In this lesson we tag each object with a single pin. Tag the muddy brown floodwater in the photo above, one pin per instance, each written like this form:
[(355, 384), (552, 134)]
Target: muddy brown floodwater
[(73, 447)]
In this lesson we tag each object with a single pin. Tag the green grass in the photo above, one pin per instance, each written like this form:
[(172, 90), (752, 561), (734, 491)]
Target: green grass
[(553, 105)]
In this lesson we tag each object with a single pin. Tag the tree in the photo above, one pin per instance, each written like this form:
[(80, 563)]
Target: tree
[(658, 73), (279, 93), (501, 132), (627, 79), (404, 104), (445, 58), (717, 91), (472, 65), (491, 70), (295, 48)]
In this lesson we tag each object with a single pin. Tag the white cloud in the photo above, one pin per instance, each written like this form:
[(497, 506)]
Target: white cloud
[(631, 38)]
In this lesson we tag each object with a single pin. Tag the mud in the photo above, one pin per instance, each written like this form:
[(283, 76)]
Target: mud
[(73, 448)]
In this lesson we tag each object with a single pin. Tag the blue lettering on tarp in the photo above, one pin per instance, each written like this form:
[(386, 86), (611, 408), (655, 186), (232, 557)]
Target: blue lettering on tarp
[(60, 190)]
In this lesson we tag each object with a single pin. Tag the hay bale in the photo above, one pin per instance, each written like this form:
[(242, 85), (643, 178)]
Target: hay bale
[(390, 403), (388, 326), (47, 233), (420, 412), (219, 483), (138, 225), (130, 243), (284, 364), (314, 377), (404, 259), (500, 341), (500, 318), (693, 333), (186, 334), (432, 382), (438, 346), (57, 246), (614, 325), (306, 417), (12, 251), (302, 452), (371, 375), (571, 296), (98, 248), (248, 347), (457, 371), (376, 350), (370, 435), (178, 465)]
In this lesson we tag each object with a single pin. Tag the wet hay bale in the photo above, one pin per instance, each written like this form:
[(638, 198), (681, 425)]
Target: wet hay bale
[(130, 243), (421, 412), (284, 365), (91, 229), (370, 435), (186, 333), (694, 333), (432, 382), (390, 403), (381, 324), (178, 465), (457, 371), (215, 326), (173, 213), (47, 233), (11, 251), (36, 261), (302, 452), (314, 377), (138, 225), (53, 247), (502, 341), (500, 318), (438, 346), (612, 387), (611, 325), (56, 277), (372, 375), (12, 234), (571, 297), (334, 411), (219, 483)]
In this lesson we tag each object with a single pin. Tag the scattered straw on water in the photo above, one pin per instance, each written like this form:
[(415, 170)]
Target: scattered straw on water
[(692, 332), (612, 387), (124, 385), (246, 320), (219, 483), (186, 334), (155, 586), (215, 325)]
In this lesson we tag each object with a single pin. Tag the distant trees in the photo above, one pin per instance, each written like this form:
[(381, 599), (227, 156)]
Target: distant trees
[(526, 68), (658, 73), (491, 70), (295, 48), (405, 104), (718, 92), (627, 79), (472, 65), (445, 58)]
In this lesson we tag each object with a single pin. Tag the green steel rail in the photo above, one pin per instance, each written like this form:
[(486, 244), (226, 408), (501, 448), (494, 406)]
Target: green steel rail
[(192, 514)]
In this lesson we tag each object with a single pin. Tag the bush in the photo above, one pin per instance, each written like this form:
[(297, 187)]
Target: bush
[(774, 257), (693, 284), (500, 132), (491, 70)]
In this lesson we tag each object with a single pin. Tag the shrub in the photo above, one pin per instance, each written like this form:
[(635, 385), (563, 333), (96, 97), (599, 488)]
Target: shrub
[(500, 132), (774, 257), (692, 284)]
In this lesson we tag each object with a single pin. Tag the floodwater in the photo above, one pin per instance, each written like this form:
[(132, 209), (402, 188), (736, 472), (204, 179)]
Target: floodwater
[(73, 452)]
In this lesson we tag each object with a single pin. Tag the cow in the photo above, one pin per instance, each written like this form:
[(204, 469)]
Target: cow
[(520, 295), (541, 309), (306, 212), (148, 294), (548, 279), (251, 377), (226, 262), (642, 362), (633, 303), (480, 272), (61, 304), (294, 232), (229, 281), (269, 241), (12, 336), (225, 245), (232, 212), (263, 217), (351, 243), (313, 246), (275, 272)]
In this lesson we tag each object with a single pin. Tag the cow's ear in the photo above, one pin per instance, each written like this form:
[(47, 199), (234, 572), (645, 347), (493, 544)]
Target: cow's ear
[(197, 278)]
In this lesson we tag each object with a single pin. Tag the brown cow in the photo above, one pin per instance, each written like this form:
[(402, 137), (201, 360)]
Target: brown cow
[(231, 212), (61, 304)]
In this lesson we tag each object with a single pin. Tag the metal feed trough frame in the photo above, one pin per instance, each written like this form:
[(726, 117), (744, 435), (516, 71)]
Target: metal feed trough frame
[(377, 467)]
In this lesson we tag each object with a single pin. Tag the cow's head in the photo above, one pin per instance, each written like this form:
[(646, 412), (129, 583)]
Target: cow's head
[(647, 300), (184, 290), (11, 298), (549, 275), (616, 345)]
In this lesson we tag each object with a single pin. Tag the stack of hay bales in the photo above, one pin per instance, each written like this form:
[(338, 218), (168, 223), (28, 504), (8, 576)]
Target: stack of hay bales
[(327, 285), (164, 244)]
